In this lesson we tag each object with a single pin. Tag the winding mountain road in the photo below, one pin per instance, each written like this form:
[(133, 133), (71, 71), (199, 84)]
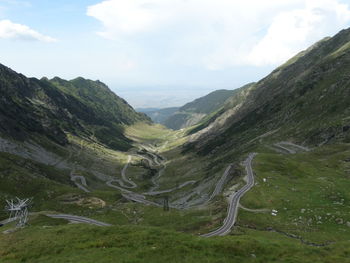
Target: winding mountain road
[(127, 194), (71, 218), (220, 184), (158, 161), (124, 179), (133, 185), (141, 198), (110, 184), (303, 148), (234, 201), (284, 148), (78, 219), (82, 185), (155, 179), (170, 190), (145, 158), (290, 147), (138, 198), (7, 221)]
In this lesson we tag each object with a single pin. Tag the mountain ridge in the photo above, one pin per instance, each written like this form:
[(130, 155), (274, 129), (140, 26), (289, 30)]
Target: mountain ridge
[(306, 83), (192, 112), (30, 105)]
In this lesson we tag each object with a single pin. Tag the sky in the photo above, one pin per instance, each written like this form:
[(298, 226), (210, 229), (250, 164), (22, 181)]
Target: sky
[(162, 53)]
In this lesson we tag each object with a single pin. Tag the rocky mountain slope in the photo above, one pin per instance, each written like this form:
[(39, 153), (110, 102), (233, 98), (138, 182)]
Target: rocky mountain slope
[(54, 132), (159, 115), (195, 111), (31, 108), (305, 100)]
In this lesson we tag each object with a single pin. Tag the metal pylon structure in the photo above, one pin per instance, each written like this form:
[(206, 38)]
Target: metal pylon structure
[(18, 209), (166, 203)]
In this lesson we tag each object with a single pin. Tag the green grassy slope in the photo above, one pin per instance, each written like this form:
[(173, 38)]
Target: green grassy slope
[(81, 243), (315, 181), (309, 191)]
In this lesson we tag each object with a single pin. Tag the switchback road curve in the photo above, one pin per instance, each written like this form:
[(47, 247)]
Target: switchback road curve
[(234, 201)]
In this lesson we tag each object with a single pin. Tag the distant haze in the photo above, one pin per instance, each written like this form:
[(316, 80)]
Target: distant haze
[(161, 97), (169, 45)]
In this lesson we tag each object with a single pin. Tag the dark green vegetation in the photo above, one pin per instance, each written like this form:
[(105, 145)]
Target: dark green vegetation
[(30, 108), (194, 112)]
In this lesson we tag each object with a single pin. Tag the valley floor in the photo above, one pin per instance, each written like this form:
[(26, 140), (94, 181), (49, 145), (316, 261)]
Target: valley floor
[(297, 210)]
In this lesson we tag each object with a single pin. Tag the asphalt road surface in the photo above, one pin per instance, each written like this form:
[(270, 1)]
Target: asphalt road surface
[(7, 221), (82, 185), (71, 218), (234, 201), (78, 219), (124, 180), (290, 147), (220, 184), (303, 148), (172, 189), (133, 185), (139, 199)]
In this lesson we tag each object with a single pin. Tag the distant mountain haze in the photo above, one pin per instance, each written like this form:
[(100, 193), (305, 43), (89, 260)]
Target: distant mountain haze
[(158, 115), (192, 112)]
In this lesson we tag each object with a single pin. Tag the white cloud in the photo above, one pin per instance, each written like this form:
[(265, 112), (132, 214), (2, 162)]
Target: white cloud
[(10, 30), (222, 33), (123, 16), (294, 30)]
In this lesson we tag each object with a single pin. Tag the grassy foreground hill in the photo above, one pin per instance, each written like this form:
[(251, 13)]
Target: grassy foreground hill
[(88, 244)]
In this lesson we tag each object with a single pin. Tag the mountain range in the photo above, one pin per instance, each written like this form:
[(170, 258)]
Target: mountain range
[(52, 108), (305, 100), (276, 152), (191, 113)]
